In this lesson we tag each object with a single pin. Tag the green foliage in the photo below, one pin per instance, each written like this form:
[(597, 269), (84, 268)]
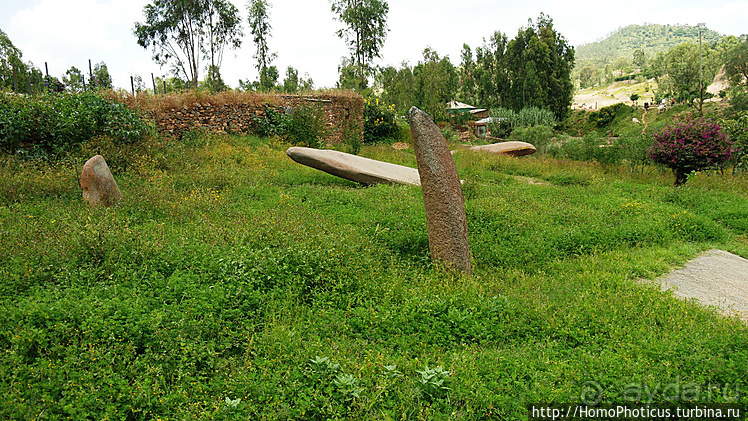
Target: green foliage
[(303, 126), (690, 146), (73, 79), (293, 83), (737, 132), (539, 62), (398, 87), (231, 283), (505, 121), (532, 70), (739, 100), (435, 81), (678, 71), (53, 85), (433, 382), (364, 33), (379, 121), (631, 149), (259, 24), (450, 134), (12, 68), (306, 126), (533, 116), (56, 122), (606, 115), (736, 62), (539, 136), (633, 45), (180, 32), (352, 136), (100, 79)]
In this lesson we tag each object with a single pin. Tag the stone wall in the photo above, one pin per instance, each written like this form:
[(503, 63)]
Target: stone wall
[(234, 112)]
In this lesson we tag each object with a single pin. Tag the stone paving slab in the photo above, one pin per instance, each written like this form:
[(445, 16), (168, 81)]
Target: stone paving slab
[(715, 278)]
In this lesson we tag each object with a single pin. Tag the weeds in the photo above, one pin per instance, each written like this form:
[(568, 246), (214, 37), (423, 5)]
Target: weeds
[(232, 283)]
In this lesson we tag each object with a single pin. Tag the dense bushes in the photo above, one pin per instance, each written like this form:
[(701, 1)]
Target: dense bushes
[(54, 122), (737, 131), (538, 136), (505, 121), (606, 115), (379, 121), (630, 148), (690, 146), (303, 126)]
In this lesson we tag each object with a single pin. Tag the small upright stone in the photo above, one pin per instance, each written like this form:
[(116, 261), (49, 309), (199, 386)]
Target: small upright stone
[(97, 182), (442, 194)]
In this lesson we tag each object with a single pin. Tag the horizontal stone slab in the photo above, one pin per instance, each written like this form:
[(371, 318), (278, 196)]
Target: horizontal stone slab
[(355, 168), (511, 148)]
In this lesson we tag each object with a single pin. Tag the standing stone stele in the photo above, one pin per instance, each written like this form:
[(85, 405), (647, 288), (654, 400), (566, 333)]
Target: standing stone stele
[(442, 194), (97, 182)]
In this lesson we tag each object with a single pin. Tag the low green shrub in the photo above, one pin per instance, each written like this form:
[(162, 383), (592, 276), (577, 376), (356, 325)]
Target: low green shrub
[(379, 121), (502, 122), (233, 284), (737, 131), (533, 116), (303, 126), (55, 122), (538, 136), (606, 115), (739, 100), (505, 121)]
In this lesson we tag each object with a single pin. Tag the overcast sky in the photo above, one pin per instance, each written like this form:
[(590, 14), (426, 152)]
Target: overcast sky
[(67, 33)]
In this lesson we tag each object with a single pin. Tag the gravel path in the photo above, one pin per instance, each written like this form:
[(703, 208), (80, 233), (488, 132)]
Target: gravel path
[(715, 278)]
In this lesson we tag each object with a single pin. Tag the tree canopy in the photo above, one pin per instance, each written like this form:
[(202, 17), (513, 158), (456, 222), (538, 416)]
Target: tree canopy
[(259, 24), (365, 32), (736, 62), (14, 73), (539, 62), (180, 32), (532, 70)]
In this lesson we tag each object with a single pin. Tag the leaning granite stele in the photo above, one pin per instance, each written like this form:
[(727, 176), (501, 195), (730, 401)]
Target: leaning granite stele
[(446, 220), (355, 168)]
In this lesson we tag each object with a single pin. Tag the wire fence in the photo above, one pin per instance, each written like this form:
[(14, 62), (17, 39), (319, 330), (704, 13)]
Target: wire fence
[(31, 81)]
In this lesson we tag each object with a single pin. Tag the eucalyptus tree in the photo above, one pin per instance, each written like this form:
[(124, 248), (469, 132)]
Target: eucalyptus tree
[(224, 28), (259, 24), (14, 73), (365, 32), (539, 61), (736, 62), (181, 32)]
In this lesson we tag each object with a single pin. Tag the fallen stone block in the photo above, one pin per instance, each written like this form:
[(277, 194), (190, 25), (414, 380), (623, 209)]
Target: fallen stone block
[(511, 148), (354, 168)]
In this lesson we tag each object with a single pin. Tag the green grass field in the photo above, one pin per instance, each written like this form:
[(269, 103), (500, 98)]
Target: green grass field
[(234, 284)]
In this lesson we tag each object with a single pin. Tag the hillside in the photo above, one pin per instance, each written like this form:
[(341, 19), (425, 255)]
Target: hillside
[(651, 38)]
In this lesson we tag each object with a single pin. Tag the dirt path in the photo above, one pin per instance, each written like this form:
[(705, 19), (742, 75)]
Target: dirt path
[(715, 278)]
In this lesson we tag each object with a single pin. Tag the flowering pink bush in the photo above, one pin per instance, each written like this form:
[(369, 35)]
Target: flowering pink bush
[(689, 146)]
